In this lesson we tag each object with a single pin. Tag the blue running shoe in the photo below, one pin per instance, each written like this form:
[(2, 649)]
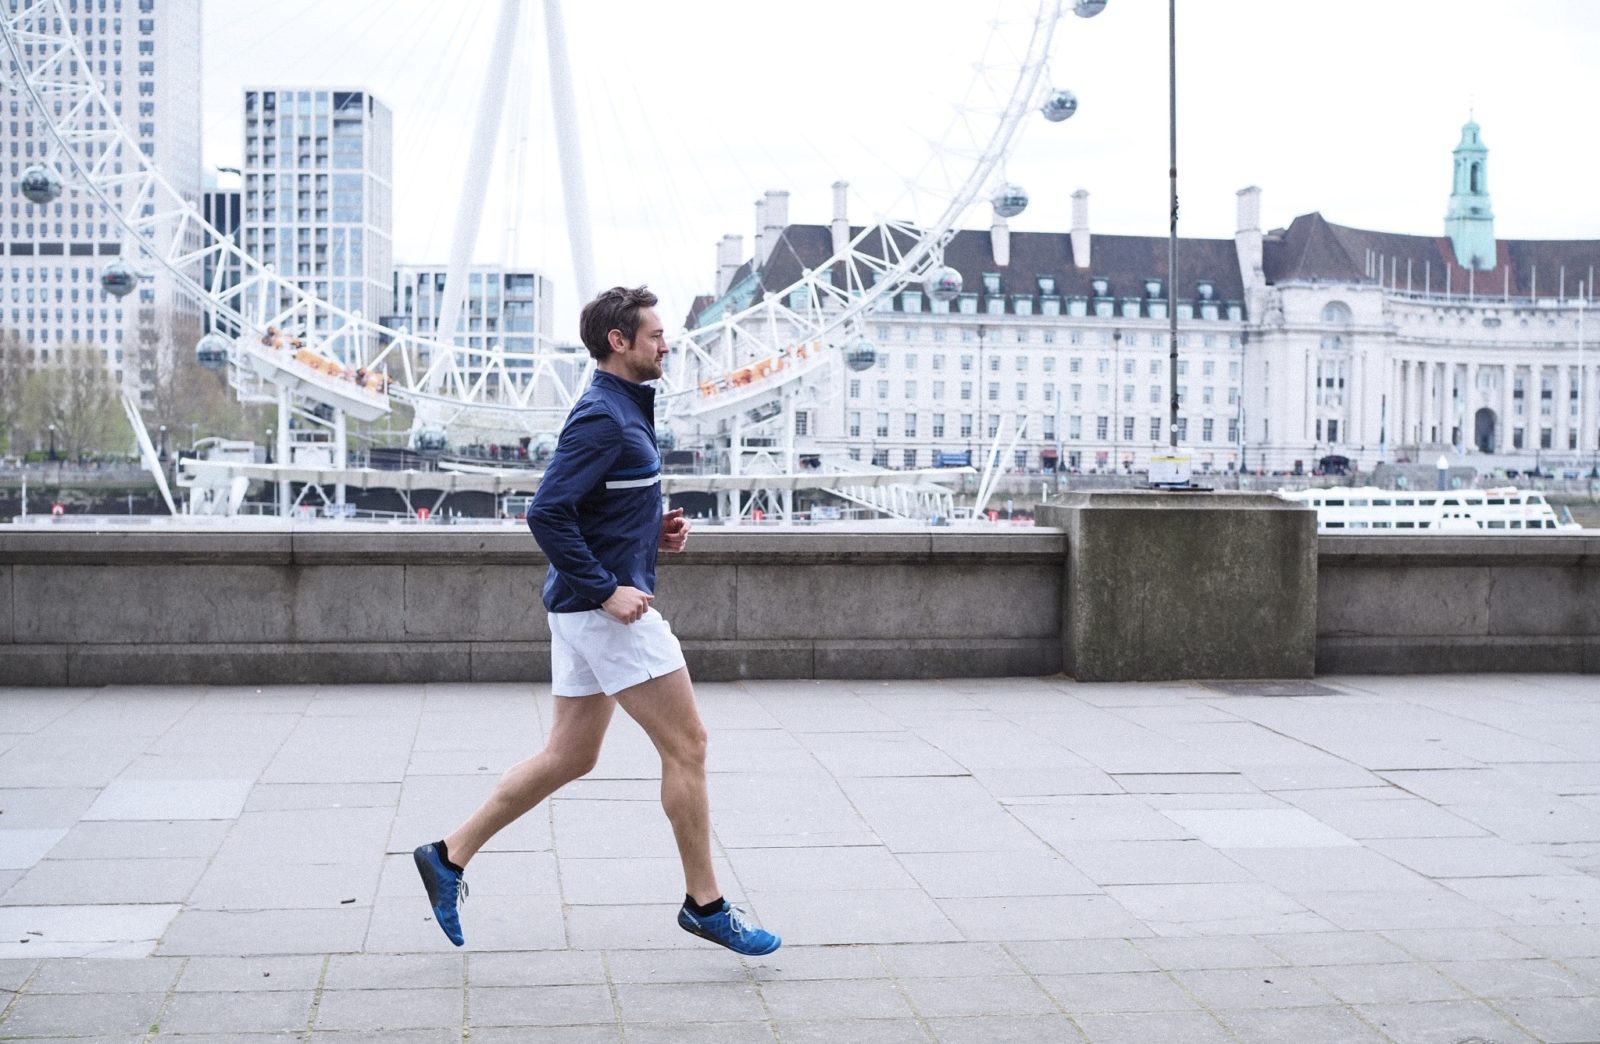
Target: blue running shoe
[(729, 928), (445, 888)]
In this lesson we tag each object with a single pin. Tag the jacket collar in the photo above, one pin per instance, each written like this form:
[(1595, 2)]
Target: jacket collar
[(643, 394)]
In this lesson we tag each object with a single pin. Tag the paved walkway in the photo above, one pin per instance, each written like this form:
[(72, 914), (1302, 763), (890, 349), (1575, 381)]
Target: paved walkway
[(1351, 860)]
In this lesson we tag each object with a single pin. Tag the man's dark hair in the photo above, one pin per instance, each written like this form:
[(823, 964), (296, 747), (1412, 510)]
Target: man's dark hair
[(614, 309)]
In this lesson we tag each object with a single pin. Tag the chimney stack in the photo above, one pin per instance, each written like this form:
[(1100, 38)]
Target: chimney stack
[(1247, 245), (1000, 241), (729, 257), (841, 218), (776, 219), (760, 255), (1080, 228)]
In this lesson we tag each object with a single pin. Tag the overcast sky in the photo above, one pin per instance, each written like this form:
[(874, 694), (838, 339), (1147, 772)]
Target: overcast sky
[(689, 110)]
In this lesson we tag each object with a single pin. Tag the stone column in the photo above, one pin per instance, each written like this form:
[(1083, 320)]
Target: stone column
[(1469, 419), (1562, 421), (1429, 410), (1508, 408)]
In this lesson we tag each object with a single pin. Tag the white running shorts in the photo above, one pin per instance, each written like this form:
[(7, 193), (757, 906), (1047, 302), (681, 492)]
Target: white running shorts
[(591, 652)]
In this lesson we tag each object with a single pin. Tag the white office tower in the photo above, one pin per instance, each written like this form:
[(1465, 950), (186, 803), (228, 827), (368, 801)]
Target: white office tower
[(509, 308), (146, 56), (318, 194)]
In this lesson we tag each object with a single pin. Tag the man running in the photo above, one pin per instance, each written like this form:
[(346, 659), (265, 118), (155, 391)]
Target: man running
[(597, 516)]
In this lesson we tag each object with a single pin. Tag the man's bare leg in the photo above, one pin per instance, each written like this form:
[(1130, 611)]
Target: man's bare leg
[(571, 751), (665, 708)]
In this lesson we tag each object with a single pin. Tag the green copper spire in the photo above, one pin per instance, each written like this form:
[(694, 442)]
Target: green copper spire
[(1469, 222)]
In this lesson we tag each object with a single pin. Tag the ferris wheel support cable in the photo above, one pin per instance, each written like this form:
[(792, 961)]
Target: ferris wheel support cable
[(569, 147), (480, 158)]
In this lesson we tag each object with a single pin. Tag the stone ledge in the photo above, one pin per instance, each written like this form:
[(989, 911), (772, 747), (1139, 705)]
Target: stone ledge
[(1475, 654)]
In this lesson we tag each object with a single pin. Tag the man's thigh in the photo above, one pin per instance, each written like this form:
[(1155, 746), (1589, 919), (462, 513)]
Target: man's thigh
[(579, 723), (665, 708)]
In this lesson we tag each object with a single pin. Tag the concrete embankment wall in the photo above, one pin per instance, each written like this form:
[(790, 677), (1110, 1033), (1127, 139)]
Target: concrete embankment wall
[(462, 603)]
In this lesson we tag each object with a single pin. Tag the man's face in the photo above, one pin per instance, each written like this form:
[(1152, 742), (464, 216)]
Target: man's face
[(645, 355)]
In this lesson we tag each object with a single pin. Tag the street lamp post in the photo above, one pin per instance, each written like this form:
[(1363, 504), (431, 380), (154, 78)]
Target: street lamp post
[(162, 448), (52, 443)]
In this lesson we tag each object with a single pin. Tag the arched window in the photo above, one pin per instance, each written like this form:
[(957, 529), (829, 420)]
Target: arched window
[(1473, 179), (1336, 313)]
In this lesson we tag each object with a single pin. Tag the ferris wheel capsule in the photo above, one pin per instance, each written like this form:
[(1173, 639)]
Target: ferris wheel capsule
[(1088, 8), (40, 184), (212, 351), (943, 283), (860, 356), (665, 440), (1060, 105), (1010, 200), (118, 279)]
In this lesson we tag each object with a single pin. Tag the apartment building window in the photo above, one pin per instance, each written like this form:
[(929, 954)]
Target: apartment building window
[(802, 422), (883, 389), (966, 425), (855, 388), (883, 426), (994, 391), (855, 424), (911, 391), (1075, 427), (1206, 429), (966, 391), (1127, 429), (1022, 391), (909, 458), (1102, 425), (938, 425), (911, 425), (1155, 429)]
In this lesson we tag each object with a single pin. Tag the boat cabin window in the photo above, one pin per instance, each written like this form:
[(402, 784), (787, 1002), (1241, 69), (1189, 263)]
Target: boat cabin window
[(1516, 523), (1381, 503), (1335, 525), (1406, 525), (1495, 523), (1334, 503), (1497, 500), (1359, 503), (1407, 502), (1453, 502)]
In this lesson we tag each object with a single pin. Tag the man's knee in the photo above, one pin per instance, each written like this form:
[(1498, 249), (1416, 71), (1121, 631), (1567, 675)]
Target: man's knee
[(573, 763), (691, 746)]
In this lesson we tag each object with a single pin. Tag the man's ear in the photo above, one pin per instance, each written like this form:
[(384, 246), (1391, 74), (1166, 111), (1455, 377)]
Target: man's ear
[(618, 342)]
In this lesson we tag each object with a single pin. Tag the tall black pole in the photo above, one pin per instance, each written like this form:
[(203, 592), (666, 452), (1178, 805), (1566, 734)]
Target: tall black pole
[(1172, 235)]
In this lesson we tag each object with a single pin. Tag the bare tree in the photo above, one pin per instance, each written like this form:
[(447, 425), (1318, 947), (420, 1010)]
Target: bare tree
[(74, 392), (13, 376), (180, 393)]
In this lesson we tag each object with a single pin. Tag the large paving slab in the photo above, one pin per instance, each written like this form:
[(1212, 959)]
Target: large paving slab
[(1383, 859)]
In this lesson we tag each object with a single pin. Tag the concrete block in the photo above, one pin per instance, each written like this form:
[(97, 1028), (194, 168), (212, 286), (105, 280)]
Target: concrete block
[(937, 658), (1187, 585), (1448, 654), (152, 603), (34, 664), (276, 664), (7, 625), (1388, 598), (356, 603), (699, 599), (1540, 599), (483, 601), (928, 598), (510, 662), (733, 660)]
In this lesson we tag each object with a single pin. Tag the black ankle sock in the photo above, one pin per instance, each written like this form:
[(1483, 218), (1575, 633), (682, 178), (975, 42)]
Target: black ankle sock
[(444, 854), (716, 905)]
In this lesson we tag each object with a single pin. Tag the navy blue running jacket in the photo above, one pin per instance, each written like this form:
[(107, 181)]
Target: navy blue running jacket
[(597, 512)]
